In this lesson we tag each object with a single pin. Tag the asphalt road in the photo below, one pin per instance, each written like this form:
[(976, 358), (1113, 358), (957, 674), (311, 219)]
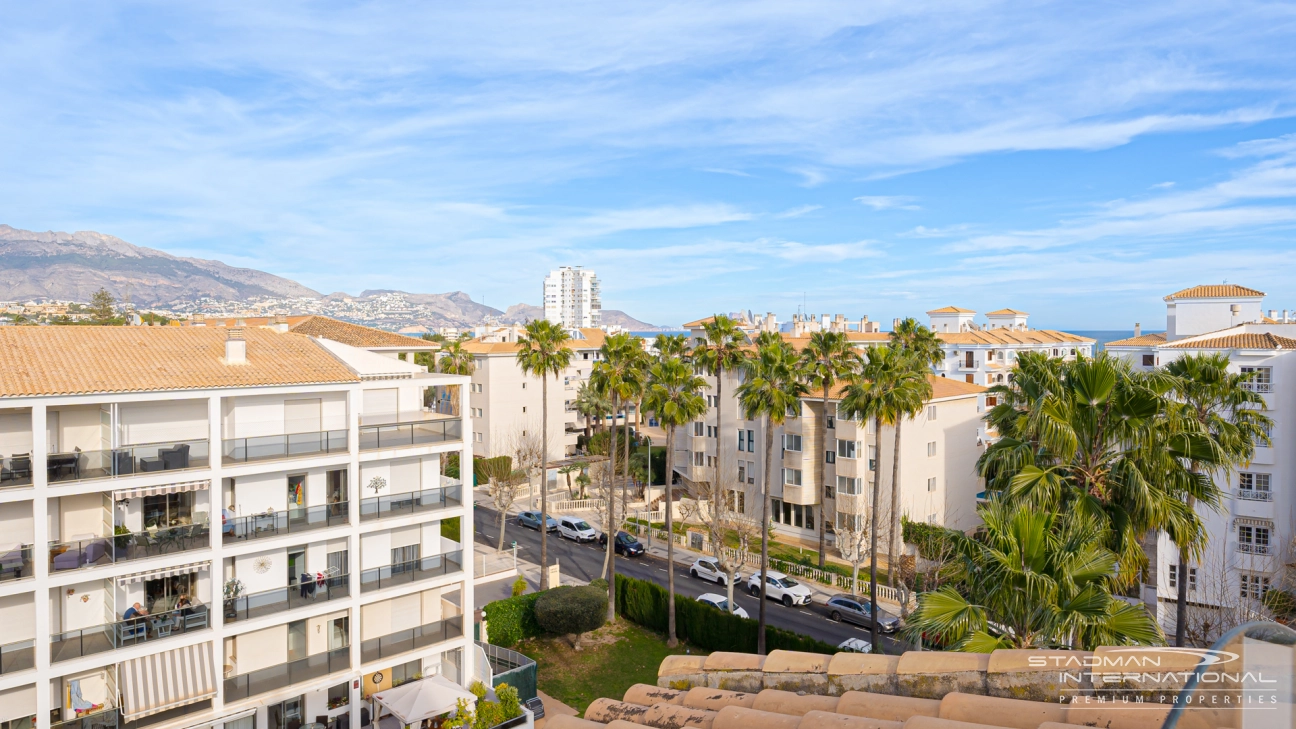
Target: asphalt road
[(585, 562)]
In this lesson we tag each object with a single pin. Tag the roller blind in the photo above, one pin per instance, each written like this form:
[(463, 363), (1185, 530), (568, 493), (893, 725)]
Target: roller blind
[(405, 537), (380, 403), (303, 416), (406, 612)]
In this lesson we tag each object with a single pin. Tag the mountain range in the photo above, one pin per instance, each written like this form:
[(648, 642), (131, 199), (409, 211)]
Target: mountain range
[(72, 266)]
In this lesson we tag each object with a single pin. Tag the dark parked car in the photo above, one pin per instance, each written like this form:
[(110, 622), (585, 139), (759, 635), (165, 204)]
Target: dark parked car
[(531, 520), (856, 610), (625, 544)]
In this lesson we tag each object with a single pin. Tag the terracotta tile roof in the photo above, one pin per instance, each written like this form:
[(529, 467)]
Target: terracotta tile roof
[(594, 339), (951, 310), (1007, 312), (1217, 291), (1145, 340), (1012, 336), (69, 360), (699, 322), (248, 321), (359, 336), (1239, 341), (942, 387)]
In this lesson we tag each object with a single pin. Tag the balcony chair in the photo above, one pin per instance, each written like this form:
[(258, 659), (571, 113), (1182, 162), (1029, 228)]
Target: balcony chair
[(19, 468), (149, 465), (123, 463), (175, 458), (96, 550), (68, 560), (196, 619), (130, 630), (12, 561)]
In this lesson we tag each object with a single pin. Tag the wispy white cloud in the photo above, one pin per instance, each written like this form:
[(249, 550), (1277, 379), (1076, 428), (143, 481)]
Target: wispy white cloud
[(797, 211), (887, 202), (722, 171), (946, 231)]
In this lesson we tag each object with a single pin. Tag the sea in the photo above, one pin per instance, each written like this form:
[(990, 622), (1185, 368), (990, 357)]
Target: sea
[(1102, 336)]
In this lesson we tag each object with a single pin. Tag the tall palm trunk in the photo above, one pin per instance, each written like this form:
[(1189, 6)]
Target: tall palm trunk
[(823, 475), (894, 515), (609, 564), (715, 477), (765, 517), (873, 534), (544, 472), (625, 466), (1181, 609), (671, 640)]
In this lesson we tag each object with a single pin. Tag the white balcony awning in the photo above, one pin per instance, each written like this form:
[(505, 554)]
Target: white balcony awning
[(183, 569), (170, 488), (155, 683)]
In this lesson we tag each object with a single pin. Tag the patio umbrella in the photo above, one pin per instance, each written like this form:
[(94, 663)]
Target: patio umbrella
[(424, 699)]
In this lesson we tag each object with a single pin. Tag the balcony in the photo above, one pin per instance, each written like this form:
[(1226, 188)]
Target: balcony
[(18, 656), (404, 434), (124, 633), (287, 674), (292, 445), (279, 523), (281, 599), (415, 570), (382, 507), (79, 465), (404, 641), (1254, 548), (1254, 495), (16, 563), (96, 551), (107, 719), (15, 470)]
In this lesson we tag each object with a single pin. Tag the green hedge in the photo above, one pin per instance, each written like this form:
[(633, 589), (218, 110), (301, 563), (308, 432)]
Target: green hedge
[(644, 603), (932, 541), (512, 620)]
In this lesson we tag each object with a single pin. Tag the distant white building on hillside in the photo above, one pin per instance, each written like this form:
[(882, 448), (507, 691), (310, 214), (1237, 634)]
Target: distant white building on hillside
[(572, 299)]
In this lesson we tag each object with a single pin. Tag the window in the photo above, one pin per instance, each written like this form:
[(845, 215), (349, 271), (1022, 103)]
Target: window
[(741, 441), (710, 461), (1149, 360), (404, 559), (931, 518), (850, 522), (406, 672), (830, 456), (751, 441), (736, 500), (710, 431), (742, 473), (931, 449), (991, 400), (931, 484), (931, 412), (832, 423), (1254, 586), (791, 442), (523, 385), (1265, 440), (872, 458), (792, 476), (850, 486), (697, 458), (1253, 539), (477, 437), (339, 695), (699, 429), (524, 408), (1261, 379), (168, 509), (1174, 578), (1254, 487), (846, 448)]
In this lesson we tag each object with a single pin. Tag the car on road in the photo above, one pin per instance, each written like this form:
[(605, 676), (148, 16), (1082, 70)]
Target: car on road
[(576, 529), (626, 544), (855, 645), (707, 569), (780, 587), (857, 610), (721, 603), (531, 520)]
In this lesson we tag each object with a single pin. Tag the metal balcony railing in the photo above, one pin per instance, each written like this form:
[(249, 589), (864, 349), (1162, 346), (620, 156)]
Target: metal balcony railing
[(380, 507), (283, 675), (291, 445), (128, 460), (412, 571), (290, 521), (282, 599), (126, 547), (72, 644), (404, 641), (1254, 495), (1253, 548)]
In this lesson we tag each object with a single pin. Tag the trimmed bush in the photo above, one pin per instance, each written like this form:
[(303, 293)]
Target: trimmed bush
[(644, 603), (571, 610), (513, 620)]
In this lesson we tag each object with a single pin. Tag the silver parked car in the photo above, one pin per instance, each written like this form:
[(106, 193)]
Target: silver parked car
[(857, 610)]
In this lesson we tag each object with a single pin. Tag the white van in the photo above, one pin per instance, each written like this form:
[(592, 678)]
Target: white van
[(576, 529)]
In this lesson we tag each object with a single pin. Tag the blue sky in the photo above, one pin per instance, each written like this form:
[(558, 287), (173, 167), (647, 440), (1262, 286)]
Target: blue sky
[(1078, 161)]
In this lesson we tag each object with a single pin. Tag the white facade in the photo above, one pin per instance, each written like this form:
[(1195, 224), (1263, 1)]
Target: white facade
[(324, 500), (572, 298), (985, 355)]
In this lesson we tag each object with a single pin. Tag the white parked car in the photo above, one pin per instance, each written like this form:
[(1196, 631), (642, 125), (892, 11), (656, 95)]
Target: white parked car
[(707, 569), (855, 645), (721, 603), (576, 529), (780, 587)]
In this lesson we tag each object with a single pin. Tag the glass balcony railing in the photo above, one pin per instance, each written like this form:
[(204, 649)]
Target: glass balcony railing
[(411, 571), (404, 641), (79, 465), (105, 719), (281, 599), (398, 435), (283, 675), (97, 551), (15, 470), (17, 656), (292, 445), (381, 507), (291, 521), (16, 563), (111, 636)]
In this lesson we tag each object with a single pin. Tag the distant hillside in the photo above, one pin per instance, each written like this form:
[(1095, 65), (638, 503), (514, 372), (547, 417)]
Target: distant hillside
[(616, 317), (72, 266)]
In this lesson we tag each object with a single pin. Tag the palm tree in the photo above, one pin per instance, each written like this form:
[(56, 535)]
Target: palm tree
[(673, 396), (773, 385), (672, 345), (829, 358), (542, 352), (618, 375), (885, 391), (1043, 579), (453, 359), (921, 349), (1229, 410), (720, 351), (591, 404)]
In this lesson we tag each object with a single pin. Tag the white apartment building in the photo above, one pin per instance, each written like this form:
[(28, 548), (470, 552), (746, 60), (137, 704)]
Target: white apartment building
[(1250, 548), (272, 501), (572, 298), (985, 354)]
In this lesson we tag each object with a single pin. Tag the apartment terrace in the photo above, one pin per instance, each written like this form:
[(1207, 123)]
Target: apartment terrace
[(402, 430)]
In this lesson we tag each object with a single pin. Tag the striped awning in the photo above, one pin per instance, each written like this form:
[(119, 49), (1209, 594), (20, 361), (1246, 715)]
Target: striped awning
[(162, 681), (169, 488), (1249, 521), (183, 569)]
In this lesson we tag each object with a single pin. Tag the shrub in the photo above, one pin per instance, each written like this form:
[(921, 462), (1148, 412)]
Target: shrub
[(488, 713), (571, 610), (450, 529), (512, 620), (600, 583), (932, 541), (519, 586)]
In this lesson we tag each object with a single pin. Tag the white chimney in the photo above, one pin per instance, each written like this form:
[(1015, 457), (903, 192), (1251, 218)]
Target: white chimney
[(235, 346), (1138, 329), (280, 324), (1273, 314), (1284, 319)]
